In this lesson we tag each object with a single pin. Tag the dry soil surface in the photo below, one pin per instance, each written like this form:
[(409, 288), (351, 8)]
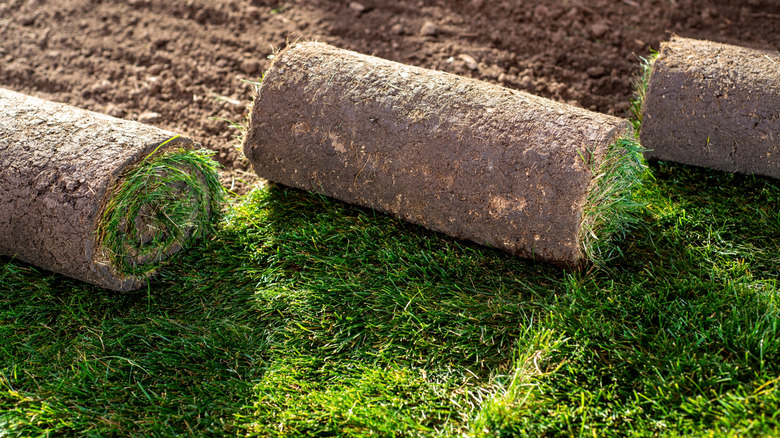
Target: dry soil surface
[(187, 65)]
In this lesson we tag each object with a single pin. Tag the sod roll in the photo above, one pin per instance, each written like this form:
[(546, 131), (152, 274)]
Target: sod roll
[(96, 198), (463, 157), (714, 105)]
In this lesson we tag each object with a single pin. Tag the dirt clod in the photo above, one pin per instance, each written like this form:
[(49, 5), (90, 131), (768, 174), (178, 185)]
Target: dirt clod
[(357, 7), (250, 66), (471, 63), (150, 117), (428, 29)]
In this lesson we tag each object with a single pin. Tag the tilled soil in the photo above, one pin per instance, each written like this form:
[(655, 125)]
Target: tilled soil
[(188, 65)]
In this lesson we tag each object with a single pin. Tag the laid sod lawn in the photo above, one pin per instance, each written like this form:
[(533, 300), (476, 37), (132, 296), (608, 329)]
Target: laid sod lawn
[(304, 316)]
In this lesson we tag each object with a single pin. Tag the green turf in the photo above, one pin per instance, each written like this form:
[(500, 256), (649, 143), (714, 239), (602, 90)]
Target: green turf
[(612, 210), (641, 84), (303, 316), (161, 204)]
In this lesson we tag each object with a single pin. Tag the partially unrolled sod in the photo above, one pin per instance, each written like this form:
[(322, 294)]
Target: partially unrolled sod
[(713, 105), (476, 161), (96, 198)]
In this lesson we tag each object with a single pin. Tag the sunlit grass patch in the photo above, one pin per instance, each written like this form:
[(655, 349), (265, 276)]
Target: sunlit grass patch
[(301, 397)]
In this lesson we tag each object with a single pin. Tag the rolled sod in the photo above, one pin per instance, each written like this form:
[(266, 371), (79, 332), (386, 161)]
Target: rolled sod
[(476, 161), (95, 198), (713, 105)]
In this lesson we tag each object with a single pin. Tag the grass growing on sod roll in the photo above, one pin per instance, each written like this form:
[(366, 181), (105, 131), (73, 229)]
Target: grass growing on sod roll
[(636, 106), (158, 207)]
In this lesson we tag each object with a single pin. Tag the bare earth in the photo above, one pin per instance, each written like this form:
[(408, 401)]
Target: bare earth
[(183, 65)]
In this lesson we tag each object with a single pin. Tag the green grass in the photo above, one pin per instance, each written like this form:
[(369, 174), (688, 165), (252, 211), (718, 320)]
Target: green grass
[(157, 207), (611, 210), (303, 316), (641, 83)]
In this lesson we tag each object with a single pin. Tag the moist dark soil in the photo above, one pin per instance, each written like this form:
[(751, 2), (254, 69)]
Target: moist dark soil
[(184, 65)]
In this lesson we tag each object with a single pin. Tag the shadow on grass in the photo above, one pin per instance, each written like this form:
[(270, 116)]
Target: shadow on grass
[(176, 357), (356, 297), (302, 305)]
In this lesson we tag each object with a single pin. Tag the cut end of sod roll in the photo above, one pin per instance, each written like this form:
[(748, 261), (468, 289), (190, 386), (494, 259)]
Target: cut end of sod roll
[(156, 208), (612, 209), (641, 83)]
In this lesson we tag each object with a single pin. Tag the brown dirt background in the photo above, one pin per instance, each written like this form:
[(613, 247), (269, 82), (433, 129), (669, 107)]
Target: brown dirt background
[(180, 65)]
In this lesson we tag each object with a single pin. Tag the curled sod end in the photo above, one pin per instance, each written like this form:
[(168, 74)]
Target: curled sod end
[(612, 210), (157, 207)]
